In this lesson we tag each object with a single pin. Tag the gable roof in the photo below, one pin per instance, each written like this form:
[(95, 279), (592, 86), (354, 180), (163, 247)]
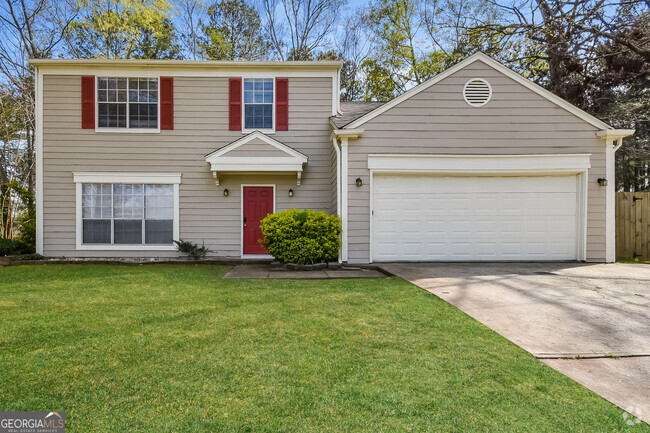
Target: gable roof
[(220, 162), (499, 67), (256, 135)]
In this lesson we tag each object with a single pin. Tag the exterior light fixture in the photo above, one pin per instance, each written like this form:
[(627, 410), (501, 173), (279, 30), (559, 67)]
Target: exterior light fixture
[(225, 192), (602, 181), (359, 181), (290, 193)]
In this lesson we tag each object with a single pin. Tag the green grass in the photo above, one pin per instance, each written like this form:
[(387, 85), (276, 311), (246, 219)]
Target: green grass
[(175, 348)]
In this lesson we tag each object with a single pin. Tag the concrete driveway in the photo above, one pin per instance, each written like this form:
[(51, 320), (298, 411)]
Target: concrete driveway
[(590, 322)]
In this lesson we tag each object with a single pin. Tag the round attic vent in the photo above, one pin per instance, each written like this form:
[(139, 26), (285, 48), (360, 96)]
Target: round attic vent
[(477, 92)]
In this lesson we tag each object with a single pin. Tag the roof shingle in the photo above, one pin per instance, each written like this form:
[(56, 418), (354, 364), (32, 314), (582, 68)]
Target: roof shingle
[(352, 110)]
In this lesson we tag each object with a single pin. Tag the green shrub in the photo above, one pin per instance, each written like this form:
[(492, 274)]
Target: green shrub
[(12, 247), (192, 250), (27, 235), (302, 236)]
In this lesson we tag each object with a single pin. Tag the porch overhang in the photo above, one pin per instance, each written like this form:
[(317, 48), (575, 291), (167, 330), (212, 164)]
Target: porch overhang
[(256, 153)]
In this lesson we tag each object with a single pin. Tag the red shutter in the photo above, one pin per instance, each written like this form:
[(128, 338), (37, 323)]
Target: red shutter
[(88, 102), (281, 104), (166, 103), (234, 86)]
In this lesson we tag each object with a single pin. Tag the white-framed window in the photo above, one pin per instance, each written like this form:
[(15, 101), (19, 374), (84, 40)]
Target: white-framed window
[(127, 103), (127, 212), (258, 106)]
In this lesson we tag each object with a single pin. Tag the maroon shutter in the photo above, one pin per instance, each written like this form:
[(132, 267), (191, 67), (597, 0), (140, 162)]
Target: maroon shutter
[(281, 104), (234, 86), (166, 103), (88, 102)]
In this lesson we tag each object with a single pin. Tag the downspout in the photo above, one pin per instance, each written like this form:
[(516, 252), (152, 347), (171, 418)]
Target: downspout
[(338, 187), (344, 197), (338, 175), (38, 144), (610, 202)]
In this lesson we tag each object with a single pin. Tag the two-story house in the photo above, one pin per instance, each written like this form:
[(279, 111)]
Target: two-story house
[(477, 163)]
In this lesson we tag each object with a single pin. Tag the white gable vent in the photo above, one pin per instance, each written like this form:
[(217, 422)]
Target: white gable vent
[(477, 92)]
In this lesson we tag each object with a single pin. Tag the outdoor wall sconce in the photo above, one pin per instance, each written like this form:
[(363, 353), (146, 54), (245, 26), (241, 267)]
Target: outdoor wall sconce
[(602, 181), (225, 192), (290, 193), (359, 181)]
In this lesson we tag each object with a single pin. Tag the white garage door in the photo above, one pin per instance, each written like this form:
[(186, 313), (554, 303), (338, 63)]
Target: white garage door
[(426, 218)]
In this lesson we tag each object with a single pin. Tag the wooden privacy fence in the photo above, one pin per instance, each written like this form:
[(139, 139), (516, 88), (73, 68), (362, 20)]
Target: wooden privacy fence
[(632, 226)]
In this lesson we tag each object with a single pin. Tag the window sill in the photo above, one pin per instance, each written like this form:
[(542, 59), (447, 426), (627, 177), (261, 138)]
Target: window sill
[(130, 130), (263, 131), (107, 247)]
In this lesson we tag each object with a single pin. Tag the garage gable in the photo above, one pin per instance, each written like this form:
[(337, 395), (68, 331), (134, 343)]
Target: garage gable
[(478, 85)]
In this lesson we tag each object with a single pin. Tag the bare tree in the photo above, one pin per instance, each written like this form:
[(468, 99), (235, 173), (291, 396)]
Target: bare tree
[(233, 31), (297, 27), (30, 29), (190, 13), (570, 32), (445, 22), (354, 47)]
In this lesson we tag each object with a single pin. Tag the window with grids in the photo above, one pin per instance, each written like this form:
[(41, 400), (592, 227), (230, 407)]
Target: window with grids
[(127, 102), (134, 214), (258, 103)]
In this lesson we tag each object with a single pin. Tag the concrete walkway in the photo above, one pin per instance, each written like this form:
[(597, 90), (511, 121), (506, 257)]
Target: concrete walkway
[(558, 311), (264, 270)]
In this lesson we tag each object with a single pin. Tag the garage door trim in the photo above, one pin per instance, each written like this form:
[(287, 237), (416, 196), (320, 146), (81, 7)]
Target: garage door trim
[(489, 165)]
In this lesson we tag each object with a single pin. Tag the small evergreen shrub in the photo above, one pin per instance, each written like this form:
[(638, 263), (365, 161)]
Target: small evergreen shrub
[(12, 247), (27, 234), (192, 250), (304, 237)]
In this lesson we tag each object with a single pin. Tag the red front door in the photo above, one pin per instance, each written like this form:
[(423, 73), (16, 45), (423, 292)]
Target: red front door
[(258, 203)]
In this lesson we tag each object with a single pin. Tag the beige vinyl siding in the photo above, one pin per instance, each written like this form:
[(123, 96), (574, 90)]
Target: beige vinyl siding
[(256, 148), (439, 121), (200, 127)]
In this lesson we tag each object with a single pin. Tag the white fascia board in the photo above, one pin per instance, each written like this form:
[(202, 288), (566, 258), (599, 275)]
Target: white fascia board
[(499, 67), (221, 166), (609, 135), (615, 133), (213, 156), (234, 64), (348, 133), (144, 70), (148, 178), (480, 164), (244, 160)]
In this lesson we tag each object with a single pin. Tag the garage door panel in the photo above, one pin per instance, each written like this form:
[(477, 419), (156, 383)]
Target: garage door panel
[(474, 218)]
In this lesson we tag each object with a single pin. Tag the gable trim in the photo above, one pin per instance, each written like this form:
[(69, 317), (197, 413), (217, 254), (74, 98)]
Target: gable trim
[(499, 67), (250, 137), (220, 162)]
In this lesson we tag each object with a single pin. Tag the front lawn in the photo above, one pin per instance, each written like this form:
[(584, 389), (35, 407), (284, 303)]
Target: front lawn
[(175, 348)]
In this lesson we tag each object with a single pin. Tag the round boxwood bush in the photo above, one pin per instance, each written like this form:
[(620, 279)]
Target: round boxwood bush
[(302, 236)]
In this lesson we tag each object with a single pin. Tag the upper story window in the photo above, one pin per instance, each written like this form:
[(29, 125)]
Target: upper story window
[(127, 102), (258, 103)]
